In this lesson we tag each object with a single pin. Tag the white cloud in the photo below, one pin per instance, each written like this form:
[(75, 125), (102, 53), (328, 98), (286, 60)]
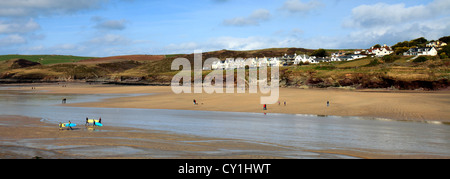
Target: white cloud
[(391, 34), (383, 23), (112, 25), (110, 39), (253, 19), (18, 26), (224, 42), (10, 40), (33, 8), (233, 43), (381, 14), (297, 6), (104, 24)]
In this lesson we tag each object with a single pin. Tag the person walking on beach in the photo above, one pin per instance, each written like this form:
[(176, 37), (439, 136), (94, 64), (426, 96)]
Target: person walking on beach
[(265, 107), (70, 127), (195, 102), (87, 122), (100, 120), (284, 103), (328, 103)]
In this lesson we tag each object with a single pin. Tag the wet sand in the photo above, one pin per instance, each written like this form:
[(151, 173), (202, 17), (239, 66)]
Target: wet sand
[(25, 138), (397, 105)]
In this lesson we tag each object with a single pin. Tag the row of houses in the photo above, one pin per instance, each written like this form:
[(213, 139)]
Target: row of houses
[(378, 52), (428, 51), (312, 59), (431, 49), (286, 60), (240, 63)]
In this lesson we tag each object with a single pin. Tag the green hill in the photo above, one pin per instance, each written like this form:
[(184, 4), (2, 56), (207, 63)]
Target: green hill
[(45, 59)]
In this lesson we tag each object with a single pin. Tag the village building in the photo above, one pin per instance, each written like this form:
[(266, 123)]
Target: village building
[(302, 59), (380, 52), (349, 57), (427, 51), (436, 44)]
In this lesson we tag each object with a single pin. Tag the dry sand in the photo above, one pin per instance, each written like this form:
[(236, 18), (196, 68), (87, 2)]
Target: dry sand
[(396, 105)]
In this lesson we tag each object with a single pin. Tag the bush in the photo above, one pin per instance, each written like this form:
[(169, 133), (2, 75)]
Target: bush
[(443, 55), (389, 58), (319, 53), (445, 51), (420, 59), (372, 63)]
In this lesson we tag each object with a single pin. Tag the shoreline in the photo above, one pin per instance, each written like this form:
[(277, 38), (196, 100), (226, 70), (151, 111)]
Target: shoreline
[(415, 106)]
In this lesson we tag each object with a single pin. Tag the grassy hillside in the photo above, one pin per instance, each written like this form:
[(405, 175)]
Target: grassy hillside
[(45, 59), (395, 72)]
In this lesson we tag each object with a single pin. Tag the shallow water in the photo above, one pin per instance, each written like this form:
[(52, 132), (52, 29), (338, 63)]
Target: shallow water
[(305, 132)]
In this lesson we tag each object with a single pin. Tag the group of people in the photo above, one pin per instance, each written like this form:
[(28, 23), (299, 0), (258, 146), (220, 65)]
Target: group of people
[(279, 103), (196, 102), (93, 121), (69, 126)]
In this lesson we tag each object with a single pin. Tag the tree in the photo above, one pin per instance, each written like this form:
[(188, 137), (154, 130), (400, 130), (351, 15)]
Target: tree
[(445, 39), (319, 53), (420, 40), (445, 51), (401, 50), (377, 46)]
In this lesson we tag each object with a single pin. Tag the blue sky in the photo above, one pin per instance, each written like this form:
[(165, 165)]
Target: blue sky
[(120, 27)]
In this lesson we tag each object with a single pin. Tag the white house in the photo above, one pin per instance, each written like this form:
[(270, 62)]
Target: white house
[(275, 61), (358, 56), (436, 44), (385, 50), (429, 51), (303, 59), (379, 52), (216, 64)]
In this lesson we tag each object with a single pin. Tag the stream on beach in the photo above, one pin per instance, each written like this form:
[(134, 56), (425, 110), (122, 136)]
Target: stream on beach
[(303, 132)]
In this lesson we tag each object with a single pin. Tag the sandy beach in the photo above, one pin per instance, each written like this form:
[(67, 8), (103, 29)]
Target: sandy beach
[(24, 137), (396, 105)]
